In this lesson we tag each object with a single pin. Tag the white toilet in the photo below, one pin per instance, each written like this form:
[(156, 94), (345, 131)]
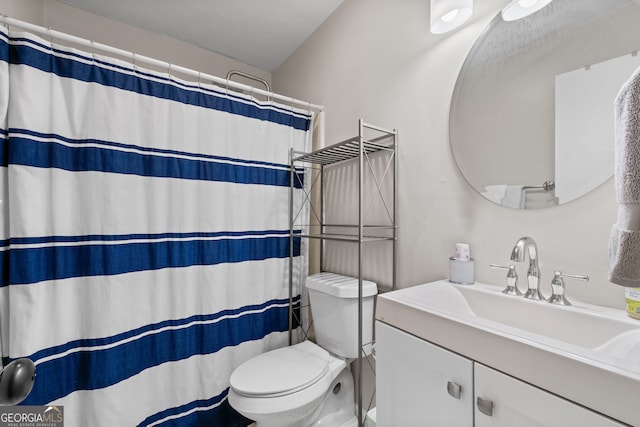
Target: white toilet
[(310, 384)]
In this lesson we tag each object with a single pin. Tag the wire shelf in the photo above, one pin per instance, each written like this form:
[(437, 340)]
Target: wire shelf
[(359, 232), (345, 150)]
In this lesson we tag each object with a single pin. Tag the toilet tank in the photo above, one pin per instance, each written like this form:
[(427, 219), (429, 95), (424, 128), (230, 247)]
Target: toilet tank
[(334, 308)]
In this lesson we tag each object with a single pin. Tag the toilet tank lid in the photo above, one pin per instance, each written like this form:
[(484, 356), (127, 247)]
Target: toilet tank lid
[(340, 286)]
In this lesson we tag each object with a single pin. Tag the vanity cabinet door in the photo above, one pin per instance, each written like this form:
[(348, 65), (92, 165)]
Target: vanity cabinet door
[(503, 401), (420, 384)]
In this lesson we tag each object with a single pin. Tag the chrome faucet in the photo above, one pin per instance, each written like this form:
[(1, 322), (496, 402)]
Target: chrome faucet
[(533, 274)]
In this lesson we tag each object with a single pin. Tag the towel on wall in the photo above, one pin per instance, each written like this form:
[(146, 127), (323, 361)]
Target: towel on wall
[(513, 197), (624, 257), (495, 193), (624, 241), (506, 195)]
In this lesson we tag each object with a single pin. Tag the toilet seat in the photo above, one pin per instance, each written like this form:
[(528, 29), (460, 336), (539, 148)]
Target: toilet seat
[(281, 372)]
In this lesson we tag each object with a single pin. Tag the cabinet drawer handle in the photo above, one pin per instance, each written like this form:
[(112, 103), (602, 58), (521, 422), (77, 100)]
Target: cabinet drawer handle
[(454, 389), (485, 406)]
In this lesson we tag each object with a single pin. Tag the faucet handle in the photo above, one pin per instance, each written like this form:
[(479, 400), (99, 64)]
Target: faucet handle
[(557, 287), (512, 279)]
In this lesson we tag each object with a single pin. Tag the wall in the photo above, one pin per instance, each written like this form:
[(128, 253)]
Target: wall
[(377, 60), (28, 10), (62, 17)]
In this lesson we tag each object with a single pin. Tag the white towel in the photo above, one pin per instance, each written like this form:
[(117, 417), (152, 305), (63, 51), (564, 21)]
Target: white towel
[(624, 257), (514, 197), (506, 195), (537, 199), (495, 193), (624, 242)]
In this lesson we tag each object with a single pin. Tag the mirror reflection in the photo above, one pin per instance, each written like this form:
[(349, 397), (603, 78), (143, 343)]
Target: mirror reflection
[(531, 121)]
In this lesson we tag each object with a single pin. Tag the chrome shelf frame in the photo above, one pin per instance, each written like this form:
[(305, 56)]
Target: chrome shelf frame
[(357, 149)]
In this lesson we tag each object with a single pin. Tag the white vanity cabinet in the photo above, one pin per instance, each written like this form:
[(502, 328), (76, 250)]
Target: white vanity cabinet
[(420, 384), (416, 384), (515, 403)]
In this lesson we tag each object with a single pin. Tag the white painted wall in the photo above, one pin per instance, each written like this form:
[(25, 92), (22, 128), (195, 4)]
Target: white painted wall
[(62, 17), (376, 59)]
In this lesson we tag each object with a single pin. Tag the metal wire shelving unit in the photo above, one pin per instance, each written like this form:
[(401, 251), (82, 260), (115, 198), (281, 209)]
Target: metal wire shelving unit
[(371, 141)]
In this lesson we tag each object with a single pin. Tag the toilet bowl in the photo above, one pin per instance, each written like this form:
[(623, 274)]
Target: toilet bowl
[(307, 384), (302, 386)]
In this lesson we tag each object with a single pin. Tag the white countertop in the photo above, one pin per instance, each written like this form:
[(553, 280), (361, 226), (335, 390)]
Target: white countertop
[(594, 370)]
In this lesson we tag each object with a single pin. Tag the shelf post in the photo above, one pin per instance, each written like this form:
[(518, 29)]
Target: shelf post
[(394, 243), (360, 267), (322, 221), (291, 187)]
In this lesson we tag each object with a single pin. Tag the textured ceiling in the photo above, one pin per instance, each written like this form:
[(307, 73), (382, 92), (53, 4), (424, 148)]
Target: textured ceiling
[(261, 33)]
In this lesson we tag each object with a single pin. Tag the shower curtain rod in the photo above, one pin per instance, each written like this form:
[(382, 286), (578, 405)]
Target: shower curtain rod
[(136, 58)]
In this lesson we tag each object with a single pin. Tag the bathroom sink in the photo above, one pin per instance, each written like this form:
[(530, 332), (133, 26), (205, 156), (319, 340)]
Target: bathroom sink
[(546, 345), (591, 327)]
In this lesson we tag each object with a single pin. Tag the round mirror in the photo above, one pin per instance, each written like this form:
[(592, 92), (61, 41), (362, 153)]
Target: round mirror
[(531, 121)]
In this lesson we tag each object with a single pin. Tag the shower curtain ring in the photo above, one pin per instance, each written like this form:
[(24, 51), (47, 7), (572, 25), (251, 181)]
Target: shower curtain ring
[(6, 23), (93, 51), (133, 61)]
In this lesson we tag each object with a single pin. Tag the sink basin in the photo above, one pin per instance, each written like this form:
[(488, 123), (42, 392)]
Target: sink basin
[(586, 353), (604, 330)]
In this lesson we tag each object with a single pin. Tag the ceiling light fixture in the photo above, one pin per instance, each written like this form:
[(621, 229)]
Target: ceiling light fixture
[(447, 15), (520, 8)]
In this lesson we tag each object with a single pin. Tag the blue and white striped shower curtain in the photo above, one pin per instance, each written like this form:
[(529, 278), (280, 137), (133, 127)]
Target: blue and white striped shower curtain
[(145, 246)]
